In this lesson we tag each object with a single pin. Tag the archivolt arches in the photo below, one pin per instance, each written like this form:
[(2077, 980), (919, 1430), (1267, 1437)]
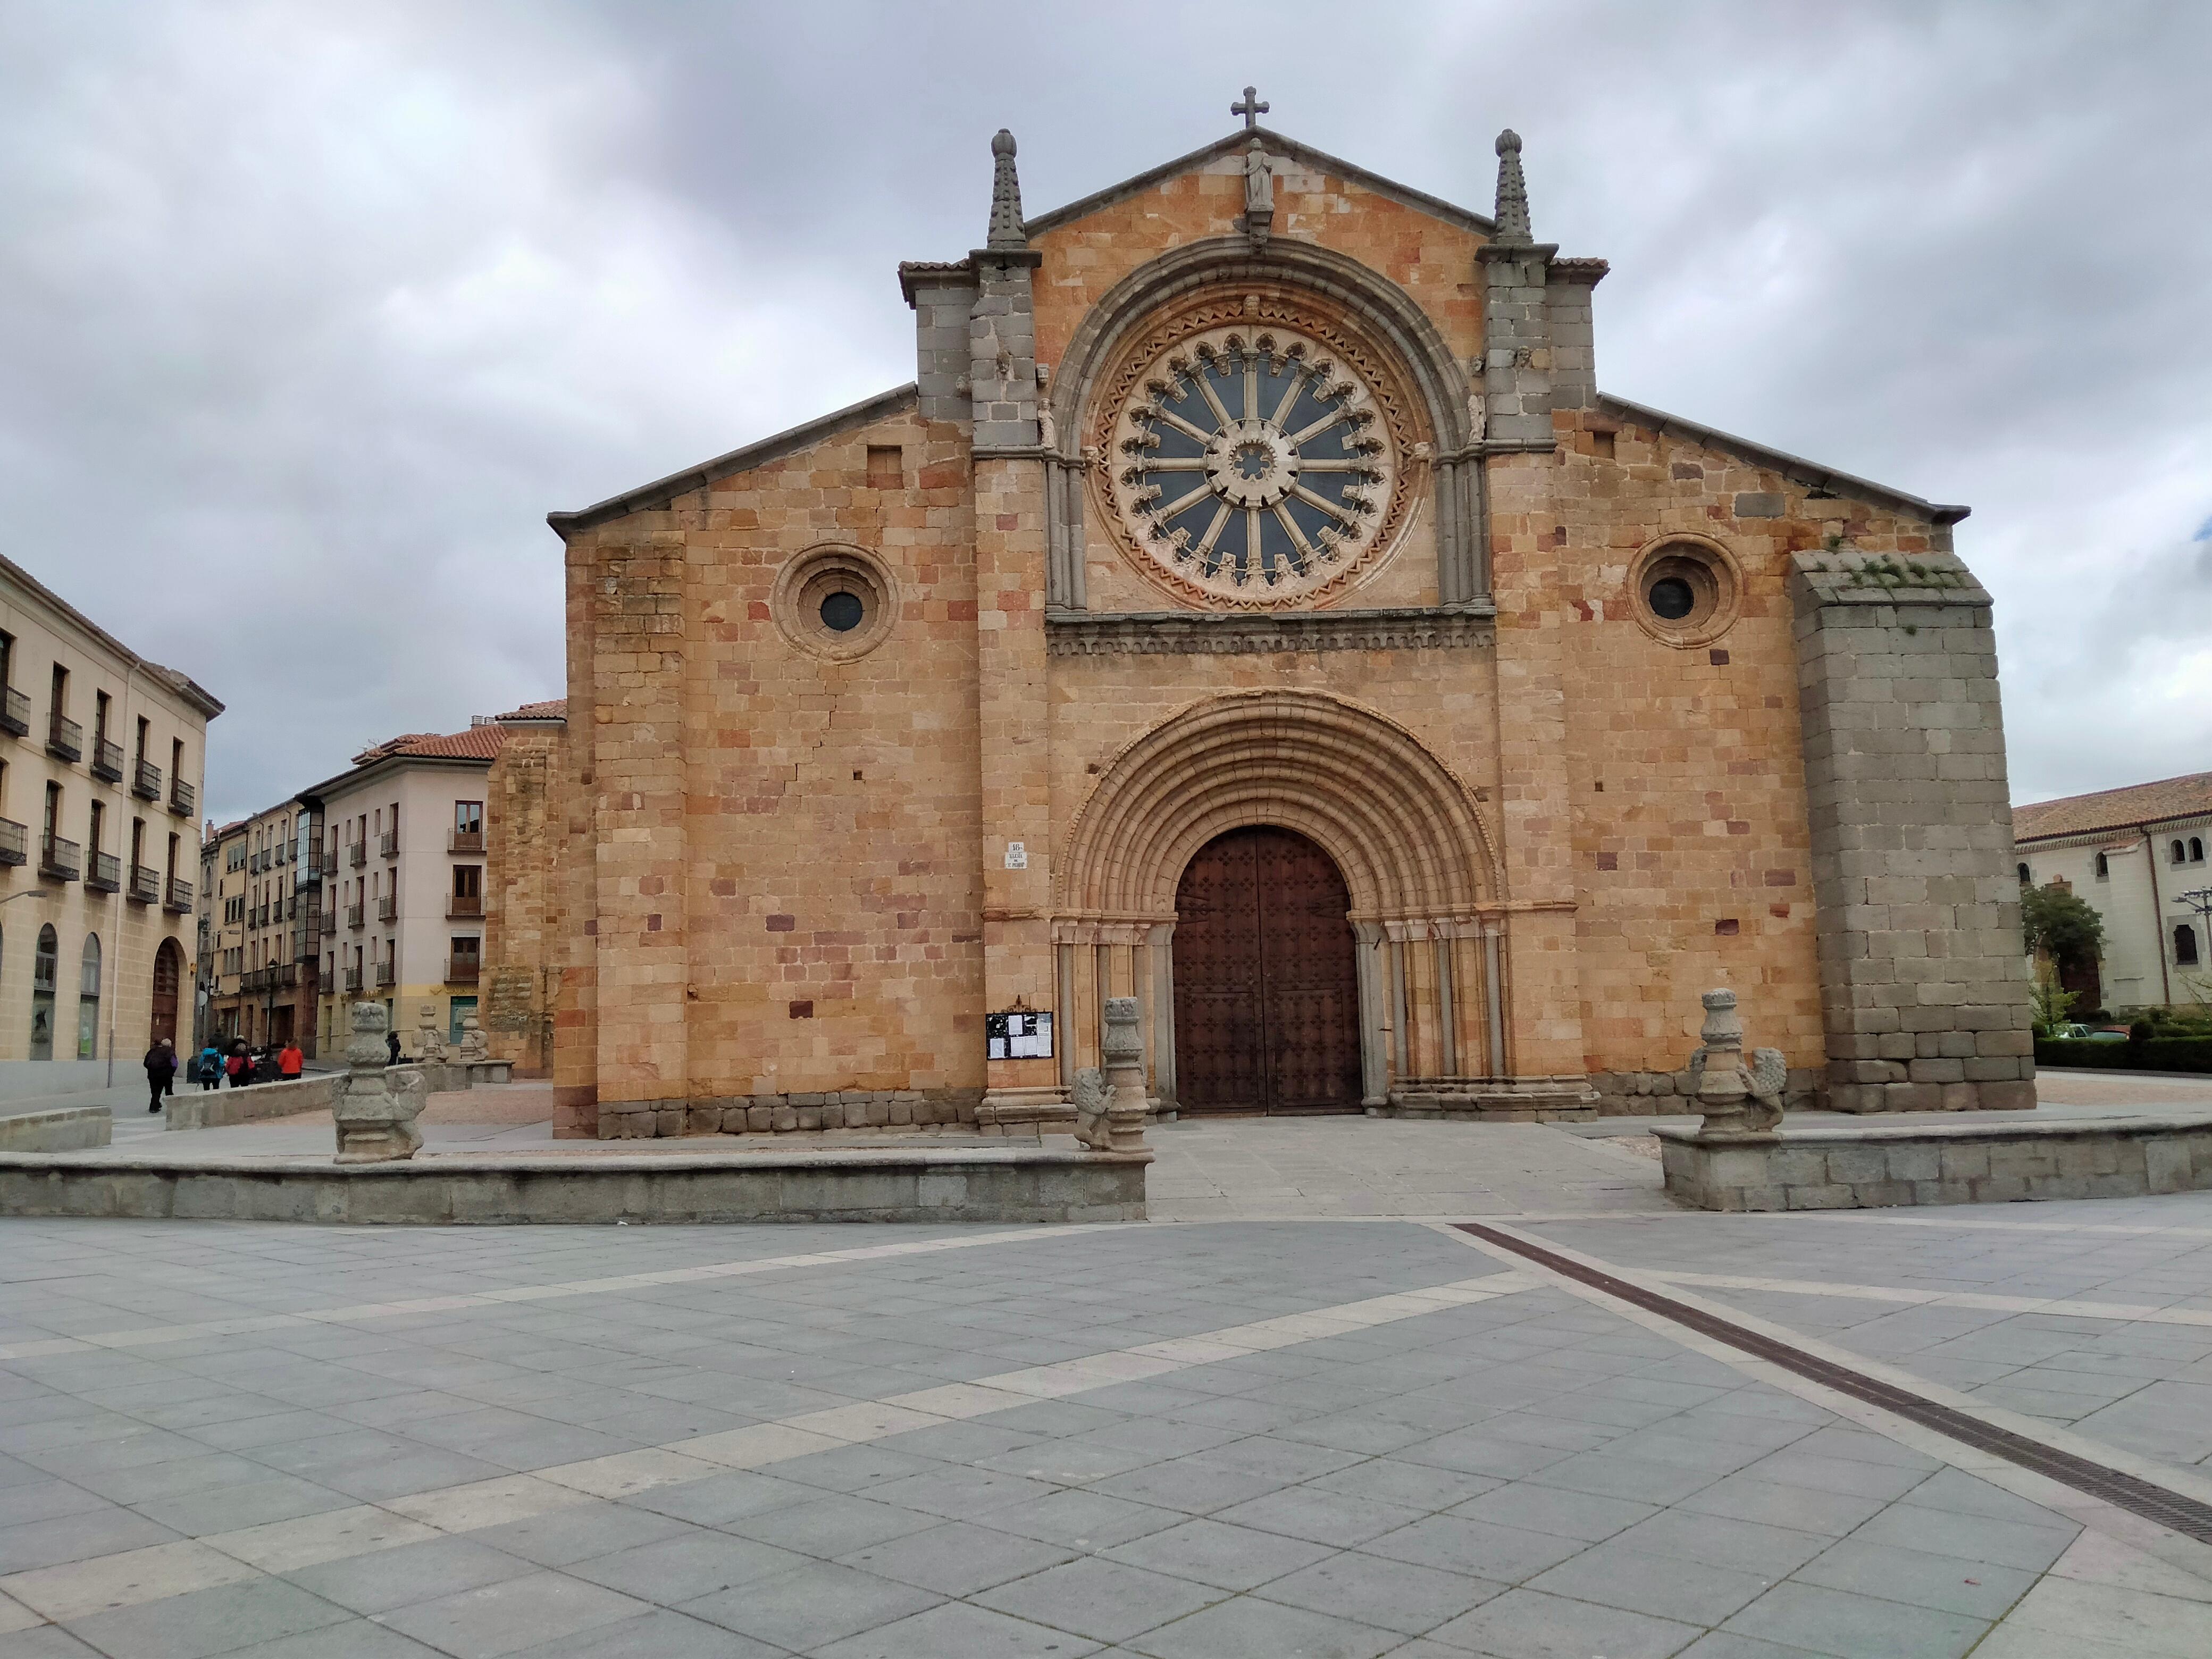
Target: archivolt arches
[(1400, 826)]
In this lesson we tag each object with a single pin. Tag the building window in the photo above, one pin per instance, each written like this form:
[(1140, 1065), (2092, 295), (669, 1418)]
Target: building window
[(468, 826), (2104, 869), (2177, 853), (45, 969), (88, 1000), (2185, 946), (467, 891), (2025, 877), (2197, 849)]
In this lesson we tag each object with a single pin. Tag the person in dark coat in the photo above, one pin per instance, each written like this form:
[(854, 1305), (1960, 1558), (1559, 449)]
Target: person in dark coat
[(392, 1048), (160, 1072)]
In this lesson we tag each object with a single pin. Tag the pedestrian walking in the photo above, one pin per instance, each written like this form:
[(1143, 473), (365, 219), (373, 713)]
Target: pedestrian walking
[(392, 1048), (208, 1070), (237, 1068), (289, 1061), (160, 1072)]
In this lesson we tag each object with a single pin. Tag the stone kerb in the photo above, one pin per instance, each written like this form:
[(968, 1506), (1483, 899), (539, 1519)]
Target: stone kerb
[(64, 1129), (1965, 1163), (221, 1106)]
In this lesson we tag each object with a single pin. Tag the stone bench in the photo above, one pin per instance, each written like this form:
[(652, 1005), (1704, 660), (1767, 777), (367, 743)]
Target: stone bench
[(215, 1108), (1881, 1168), (63, 1129)]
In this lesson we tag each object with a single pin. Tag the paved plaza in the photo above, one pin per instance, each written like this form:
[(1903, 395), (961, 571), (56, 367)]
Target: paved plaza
[(1297, 1415)]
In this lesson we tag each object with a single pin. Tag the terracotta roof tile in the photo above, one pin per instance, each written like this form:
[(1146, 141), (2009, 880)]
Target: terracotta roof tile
[(553, 709), (477, 743), (2114, 808)]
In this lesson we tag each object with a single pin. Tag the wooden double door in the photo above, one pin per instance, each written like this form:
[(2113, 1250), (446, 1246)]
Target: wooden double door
[(1267, 985)]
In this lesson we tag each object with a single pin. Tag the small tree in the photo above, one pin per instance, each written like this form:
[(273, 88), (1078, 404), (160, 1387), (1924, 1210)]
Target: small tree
[(2051, 1005), (2057, 924)]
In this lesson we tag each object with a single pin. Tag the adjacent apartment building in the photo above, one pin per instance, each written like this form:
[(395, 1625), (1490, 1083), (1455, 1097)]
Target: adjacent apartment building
[(400, 844), (101, 754), (2138, 855), (261, 928)]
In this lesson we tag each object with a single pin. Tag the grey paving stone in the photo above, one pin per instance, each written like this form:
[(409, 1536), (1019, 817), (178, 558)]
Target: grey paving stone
[(1321, 1516), (958, 1558), (1085, 1519), (811, 1607), (1481, 1549), (960, 1494), (384, 1579), (1586, 1516), (1106, 1601), (355, 1638), (660, 1634), (679, 1570), (831, 1526), (1197, 1485), (560, 1537), (208, 1621), (1527, 1624), (1248, 1628), (1231, 1558), (107, 1530), (514, 1613), (1395, 1596), (958, 1632), (1684, 1534), (1850, 1627), (1969, 1537), (1415, 1485), (1618, 1575), (722, 1499), (1980, 1589)]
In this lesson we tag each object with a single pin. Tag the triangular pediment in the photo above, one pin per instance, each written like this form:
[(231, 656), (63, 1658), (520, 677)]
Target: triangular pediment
[(1278, 146)]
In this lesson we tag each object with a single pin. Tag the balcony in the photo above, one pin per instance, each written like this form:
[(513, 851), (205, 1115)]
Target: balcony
[(387, 844), (183, 797), (145, 883), (146, 780), (465, 907), (463, 970), (65, 738), (353, 979), (284, 975), (180, 896), (105, 875), (330, 922), (465, 841), (59, 859), (14, 841), (253, 979), (330, 863), (353, 917), (384, 975), (107, 760), (387, 908), (357, 853), (16, 712)]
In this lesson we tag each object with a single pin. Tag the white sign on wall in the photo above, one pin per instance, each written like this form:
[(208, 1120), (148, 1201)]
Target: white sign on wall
[(1017, 855)]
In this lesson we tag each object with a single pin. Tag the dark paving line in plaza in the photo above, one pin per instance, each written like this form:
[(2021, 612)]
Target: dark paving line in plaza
[(2171, 1510)]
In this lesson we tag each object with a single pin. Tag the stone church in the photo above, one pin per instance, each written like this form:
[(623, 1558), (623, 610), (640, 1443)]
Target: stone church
[(1253, 606)]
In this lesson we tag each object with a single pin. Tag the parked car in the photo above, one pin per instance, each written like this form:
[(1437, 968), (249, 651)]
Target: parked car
[(2075, 1031)]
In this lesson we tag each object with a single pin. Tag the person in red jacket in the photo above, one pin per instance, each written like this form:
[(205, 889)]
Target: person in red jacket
[(289, 1061)]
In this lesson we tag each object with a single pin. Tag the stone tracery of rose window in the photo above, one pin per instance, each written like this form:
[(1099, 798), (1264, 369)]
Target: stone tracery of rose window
[(1256, 464)]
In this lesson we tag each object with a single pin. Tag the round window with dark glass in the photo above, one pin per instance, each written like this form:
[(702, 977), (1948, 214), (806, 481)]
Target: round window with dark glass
[(1671, 599), (841, 612)]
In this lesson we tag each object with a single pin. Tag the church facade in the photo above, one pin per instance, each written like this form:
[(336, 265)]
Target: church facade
[(1254, 607)]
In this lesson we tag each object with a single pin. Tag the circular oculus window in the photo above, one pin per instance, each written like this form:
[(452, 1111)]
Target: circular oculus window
[(835, 602), (1684, 591), (1255, 467)]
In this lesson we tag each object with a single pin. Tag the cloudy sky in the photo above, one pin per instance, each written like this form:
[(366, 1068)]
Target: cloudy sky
[(310, 312)]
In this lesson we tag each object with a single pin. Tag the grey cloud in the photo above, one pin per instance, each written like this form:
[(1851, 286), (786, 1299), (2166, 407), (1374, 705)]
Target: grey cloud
[(307, 316)]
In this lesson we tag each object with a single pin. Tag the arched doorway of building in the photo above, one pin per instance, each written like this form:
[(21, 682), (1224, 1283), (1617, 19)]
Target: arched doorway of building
[(1266, 986), (168, 975)]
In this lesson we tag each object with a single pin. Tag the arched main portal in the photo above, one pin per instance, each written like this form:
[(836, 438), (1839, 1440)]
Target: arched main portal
[(168, 975), (1266, 978)]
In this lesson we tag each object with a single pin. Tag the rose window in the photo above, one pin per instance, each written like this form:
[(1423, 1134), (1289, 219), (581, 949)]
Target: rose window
[(1254, 465)]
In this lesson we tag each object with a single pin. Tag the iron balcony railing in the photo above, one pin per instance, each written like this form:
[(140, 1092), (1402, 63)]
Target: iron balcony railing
[(107, 760), (14, 841), (182, 797), (106, 874), (465, 841), (146, 780), (353, 916), (387, 908), (16, 712), (64, 737), (330, 862), (384, 973), (461, 906), (357, 853), (387, 844), (353, 979), (59, 859), (179, 897), (330, 922), (145, 883), (463, 969)]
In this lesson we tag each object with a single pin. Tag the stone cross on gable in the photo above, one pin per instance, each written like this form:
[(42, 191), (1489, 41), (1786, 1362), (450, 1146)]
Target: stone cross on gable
[(1250, 108)]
